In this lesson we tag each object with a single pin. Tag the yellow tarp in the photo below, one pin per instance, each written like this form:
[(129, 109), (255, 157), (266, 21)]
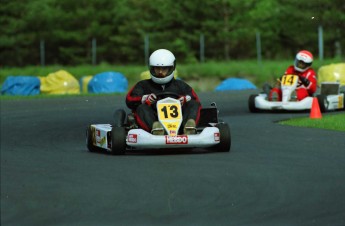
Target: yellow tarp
[(146, 75), (60, 82), (332, 73)]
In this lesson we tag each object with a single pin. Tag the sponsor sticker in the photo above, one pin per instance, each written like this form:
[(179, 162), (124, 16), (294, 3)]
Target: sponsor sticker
[(132, 138), (101, 141), (172, 133), (171, 126), (216, 137), (340, 102), (176, 140)]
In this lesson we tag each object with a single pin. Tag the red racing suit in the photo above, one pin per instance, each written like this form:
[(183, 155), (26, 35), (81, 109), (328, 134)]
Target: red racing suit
[(145, 115), (302, 91)]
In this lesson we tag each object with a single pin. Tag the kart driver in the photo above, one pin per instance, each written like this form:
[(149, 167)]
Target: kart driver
[(307, 77), (142, 97)]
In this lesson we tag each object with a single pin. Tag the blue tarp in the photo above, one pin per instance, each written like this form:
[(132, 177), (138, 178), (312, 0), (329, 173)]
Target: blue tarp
[(235, 84), (108, 82), (21, 85)]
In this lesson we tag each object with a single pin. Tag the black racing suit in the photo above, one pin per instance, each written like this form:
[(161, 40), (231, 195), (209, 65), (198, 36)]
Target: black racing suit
[(145, 115)]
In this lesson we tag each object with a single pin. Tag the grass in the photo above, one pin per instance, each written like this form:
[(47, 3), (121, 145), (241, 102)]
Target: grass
[(328, 122)]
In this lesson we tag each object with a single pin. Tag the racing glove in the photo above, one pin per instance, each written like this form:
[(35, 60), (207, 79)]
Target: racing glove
[(184, 99), (149, 99), (304, 81)]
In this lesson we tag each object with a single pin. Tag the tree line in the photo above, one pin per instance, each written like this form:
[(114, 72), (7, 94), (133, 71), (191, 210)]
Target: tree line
[(229, 29)]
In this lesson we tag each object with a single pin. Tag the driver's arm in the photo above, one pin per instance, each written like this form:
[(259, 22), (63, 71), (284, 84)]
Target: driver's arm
[(134, 96), (190, 92)]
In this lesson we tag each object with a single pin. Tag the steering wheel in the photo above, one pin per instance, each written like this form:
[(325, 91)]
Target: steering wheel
[(163, 95)]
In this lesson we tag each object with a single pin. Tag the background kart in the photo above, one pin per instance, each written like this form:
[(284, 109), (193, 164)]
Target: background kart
[(331, 97), (124, 134)]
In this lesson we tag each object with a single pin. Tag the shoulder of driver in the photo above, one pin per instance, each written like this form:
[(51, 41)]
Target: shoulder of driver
[(290, 70), (140, 87)]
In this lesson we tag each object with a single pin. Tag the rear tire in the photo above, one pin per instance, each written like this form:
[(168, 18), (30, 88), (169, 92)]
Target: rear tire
[(251, 103), (225, 138), (322, 103), (118, 141)]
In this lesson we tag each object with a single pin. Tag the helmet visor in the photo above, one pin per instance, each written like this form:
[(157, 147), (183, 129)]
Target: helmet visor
[(301, 64), (160, 71)]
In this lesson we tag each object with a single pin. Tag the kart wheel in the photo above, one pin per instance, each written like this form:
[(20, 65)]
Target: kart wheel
[(225, 138), (323, 103), (251, 103), (89, 140), (119, 117), (118, 141)]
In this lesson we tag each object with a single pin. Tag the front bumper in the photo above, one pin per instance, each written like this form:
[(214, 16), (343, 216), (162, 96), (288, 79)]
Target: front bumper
[(262, 103), (140, 139)]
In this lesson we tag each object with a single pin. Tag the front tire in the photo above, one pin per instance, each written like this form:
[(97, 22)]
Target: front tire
[(251, 103), (119, 117), (118, 141), (225, 138)]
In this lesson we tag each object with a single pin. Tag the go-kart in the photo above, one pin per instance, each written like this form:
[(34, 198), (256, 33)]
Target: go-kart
[(124, 134), (330, 98)]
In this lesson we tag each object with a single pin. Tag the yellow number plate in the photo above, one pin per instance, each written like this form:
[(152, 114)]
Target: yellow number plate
[(169, 111), (170, 116), (289, 80)]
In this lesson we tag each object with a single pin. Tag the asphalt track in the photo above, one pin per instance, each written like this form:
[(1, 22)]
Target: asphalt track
[(273, 175)]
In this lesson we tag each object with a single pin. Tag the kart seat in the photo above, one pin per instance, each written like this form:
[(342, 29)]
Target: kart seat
[(208, 115), (330, 88)]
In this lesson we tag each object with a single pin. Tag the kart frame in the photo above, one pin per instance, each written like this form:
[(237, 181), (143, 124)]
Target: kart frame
[(124, 134)]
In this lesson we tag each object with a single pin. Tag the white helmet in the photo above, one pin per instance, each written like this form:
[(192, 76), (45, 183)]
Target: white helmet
[(165, 59), (303, 60)]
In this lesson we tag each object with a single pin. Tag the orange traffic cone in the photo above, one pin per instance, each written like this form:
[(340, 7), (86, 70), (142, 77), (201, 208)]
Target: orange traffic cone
[(315, 112)]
